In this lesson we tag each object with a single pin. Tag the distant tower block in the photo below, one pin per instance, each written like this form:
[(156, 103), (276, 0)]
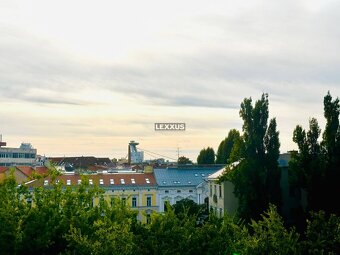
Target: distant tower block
[(134, 156), (1, 142)]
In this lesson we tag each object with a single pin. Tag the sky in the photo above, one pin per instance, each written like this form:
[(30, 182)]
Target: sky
[(86, 77)]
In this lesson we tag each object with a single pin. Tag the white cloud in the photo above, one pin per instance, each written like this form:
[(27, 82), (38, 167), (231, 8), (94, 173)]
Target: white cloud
[(135, 62)]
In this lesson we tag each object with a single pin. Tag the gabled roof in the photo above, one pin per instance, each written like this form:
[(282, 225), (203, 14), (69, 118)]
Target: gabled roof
[(182, 177), (80, 162), (216, 175), (3, 169), (42, 170), (26, 170), (103, 180)]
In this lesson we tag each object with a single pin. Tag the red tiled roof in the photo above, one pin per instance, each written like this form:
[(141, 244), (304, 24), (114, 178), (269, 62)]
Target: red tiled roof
[(41, 170), (3, 169), (26, 170), (135, 179)]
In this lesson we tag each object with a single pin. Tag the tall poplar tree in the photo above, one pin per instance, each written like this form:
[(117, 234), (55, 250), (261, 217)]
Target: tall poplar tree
[(316, 166), (257, 176)]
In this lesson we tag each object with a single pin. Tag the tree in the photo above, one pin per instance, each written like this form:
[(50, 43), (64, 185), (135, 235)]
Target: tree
[(183, 160), (257, 176), (226, 146), (206, 156), (316, 167), (187, 207)]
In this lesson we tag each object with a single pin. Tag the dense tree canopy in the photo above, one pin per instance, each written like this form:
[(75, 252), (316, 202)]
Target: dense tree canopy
[(206, 156), (64, 221), (316, 166), (226, 146), (257, 176), (184, 160)]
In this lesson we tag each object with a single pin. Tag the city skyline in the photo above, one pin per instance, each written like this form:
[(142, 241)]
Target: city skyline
[(85, 78)]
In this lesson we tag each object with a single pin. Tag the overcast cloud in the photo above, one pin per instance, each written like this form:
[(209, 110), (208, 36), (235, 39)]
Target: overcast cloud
[(162, 61)]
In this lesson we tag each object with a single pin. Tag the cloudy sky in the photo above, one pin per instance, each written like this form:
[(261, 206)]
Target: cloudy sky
[(86, 77)]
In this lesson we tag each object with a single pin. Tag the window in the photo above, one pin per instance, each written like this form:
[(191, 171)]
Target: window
[(101, 181), (147, 180), (210, 190), (220, 212), (91, 182), (68, 182), (57, 181), (190, 190), (124, 200), (133, 181), (148, 201), (215, 190), (112, 201), (134, 202), (166, 191), (45, 182), (112, 182), (220, 190), (122, 181), (148, 219), (178, 191), (79, 182)]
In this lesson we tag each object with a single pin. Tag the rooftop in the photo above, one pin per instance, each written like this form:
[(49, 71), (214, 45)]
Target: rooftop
[(182, 177)]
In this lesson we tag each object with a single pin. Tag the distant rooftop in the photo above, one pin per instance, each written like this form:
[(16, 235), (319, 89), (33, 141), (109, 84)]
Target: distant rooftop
[(183, 176)]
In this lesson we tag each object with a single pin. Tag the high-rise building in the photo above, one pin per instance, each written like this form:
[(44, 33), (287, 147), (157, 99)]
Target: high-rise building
[(24, 155), (134, 156)]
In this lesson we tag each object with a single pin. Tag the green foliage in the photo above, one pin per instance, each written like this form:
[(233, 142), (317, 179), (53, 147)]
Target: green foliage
[(206, 156), (183, 160), (271, 237), (188, 207), (64, 221), (316, 168), (322, 234), (227, 146), (257, 176)]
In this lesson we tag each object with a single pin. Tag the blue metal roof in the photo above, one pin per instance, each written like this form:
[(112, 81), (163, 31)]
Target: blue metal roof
[(182, 177)]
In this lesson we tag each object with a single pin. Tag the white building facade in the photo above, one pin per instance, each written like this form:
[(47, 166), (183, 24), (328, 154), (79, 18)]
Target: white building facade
[(176, 184), (24, 155)]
